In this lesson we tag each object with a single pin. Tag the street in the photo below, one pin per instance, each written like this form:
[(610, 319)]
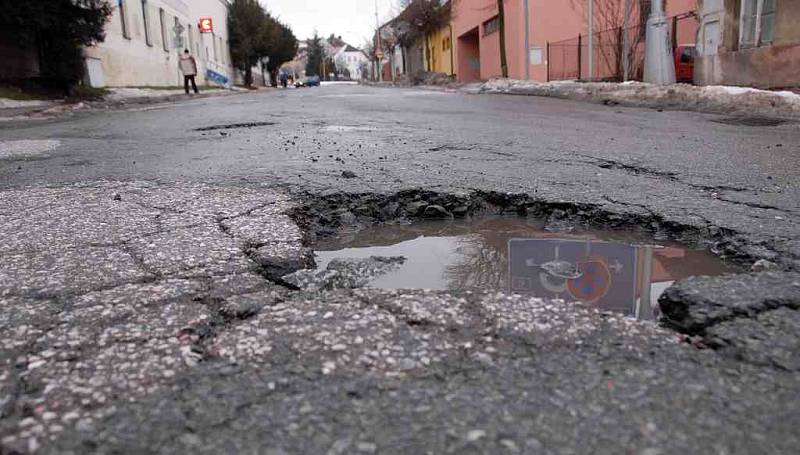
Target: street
[(144, 311)]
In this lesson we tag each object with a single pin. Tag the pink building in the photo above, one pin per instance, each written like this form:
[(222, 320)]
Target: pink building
[(475, 27)]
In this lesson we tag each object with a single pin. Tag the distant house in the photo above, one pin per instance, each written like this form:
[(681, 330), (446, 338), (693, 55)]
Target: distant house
[(352, 59), (749, 43)]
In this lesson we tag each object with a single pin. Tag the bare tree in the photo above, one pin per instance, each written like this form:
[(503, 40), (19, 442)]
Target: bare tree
[(609, 21)]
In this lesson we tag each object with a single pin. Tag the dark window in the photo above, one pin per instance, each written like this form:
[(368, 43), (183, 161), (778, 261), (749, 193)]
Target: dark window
[(123, 19), (163, 19), (491, 26), (767, 22), (687, 55), (146, 21)]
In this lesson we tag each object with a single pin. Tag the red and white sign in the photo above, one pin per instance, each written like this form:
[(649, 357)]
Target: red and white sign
[(206, 25)]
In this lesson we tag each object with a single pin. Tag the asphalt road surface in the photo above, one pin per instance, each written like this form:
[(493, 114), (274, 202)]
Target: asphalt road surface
[(141, 310)]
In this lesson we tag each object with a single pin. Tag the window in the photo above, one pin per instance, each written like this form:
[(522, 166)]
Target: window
[(767, 21), (162, 18), (190, 33), (123, 19), (536, 55), (756, 23), (177, 33), (687, 55), (146, 21), (491, 26), (214, 43), (446, 44)]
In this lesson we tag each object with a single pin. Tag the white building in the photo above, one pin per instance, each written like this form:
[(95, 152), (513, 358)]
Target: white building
[(144, 39), (352, 59)]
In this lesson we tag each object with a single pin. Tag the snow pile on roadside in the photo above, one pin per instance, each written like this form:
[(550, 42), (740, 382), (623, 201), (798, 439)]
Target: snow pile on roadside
[(119, 94), (130, 93), (679, 96), (6, 103)]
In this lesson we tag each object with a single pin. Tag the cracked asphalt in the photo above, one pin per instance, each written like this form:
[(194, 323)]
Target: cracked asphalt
[(142, 310)]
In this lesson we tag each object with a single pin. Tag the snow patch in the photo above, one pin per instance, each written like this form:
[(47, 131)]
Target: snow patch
[(126, 93), (677, 96), (26, 148), (118, 94), (6, 103)]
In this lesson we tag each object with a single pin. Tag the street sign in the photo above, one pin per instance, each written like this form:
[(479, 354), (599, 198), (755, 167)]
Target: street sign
[(598, 272), (217, 78), (206, 25), (594, 282)]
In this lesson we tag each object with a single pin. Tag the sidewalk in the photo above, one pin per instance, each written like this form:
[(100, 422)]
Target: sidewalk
[(13, 110), (742, 101), (718, 99)]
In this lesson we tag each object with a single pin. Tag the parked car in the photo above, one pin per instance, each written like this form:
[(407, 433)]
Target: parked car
[(310, 81), (684, 63)]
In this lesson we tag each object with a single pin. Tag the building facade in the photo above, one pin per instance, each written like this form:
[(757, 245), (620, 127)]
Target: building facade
[(477, 42), (145, 38), (353, 59), (439, 56), (749, 43)]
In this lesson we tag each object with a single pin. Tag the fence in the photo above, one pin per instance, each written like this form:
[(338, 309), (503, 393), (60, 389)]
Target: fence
[(569, 59)]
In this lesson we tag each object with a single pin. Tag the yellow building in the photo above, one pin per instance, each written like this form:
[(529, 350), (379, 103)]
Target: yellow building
[(439, 53)]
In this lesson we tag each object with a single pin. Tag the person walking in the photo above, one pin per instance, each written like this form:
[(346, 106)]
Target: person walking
[(189, 69)]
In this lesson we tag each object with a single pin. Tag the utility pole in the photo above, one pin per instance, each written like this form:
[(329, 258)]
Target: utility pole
[(626, 44), (659, 65), (591, 40), (527, 43), (378, 50)]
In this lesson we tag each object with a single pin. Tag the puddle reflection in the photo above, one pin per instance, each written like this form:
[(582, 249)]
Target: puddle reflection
[(615, 271)]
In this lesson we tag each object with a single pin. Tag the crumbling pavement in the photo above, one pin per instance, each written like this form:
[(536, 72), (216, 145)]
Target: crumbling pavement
[(151, 320)]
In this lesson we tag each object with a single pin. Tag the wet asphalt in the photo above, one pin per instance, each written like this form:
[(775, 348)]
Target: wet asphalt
[(141, 315)]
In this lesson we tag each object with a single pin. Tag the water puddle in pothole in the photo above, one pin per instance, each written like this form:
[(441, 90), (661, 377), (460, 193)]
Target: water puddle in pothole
[(612, 270)]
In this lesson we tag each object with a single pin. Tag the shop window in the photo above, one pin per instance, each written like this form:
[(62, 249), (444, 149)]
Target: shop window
[(756, 23)]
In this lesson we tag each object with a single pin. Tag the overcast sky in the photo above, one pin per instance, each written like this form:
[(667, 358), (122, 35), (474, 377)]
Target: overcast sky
[(354, 20)]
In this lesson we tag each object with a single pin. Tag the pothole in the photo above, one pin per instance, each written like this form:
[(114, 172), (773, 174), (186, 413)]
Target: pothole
[(750, 121), (614, 271), (347, 129), (233, 126)]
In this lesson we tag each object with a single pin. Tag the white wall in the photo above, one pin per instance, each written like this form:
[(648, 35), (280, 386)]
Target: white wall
[(353, 61), (131, 61)]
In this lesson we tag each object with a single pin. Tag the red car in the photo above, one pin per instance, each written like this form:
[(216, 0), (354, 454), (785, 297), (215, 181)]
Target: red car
[(684, 63)]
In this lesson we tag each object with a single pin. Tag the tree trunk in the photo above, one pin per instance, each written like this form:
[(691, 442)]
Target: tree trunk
[(248, 74), (428, 53), (501, 19)]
